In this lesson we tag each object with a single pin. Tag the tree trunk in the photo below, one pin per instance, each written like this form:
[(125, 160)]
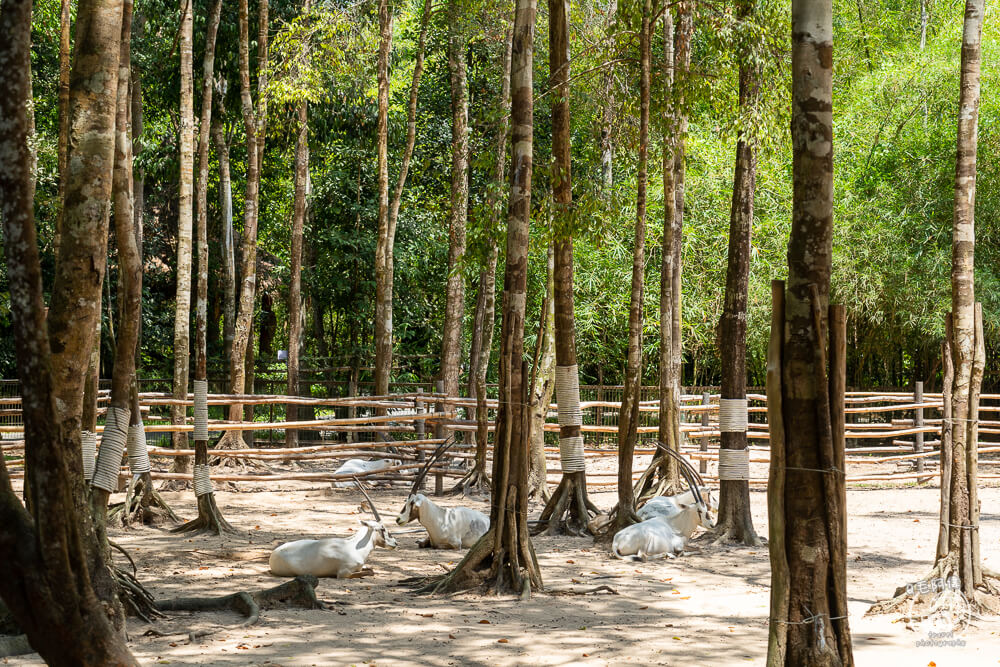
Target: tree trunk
[(53, 589), (451, 336), (734, 521), (295, 286), (542, 386), (813, 604), (62, 147), (248, 269), (185, 219), (568, 508), (967, 346), (506, 550), (629, 416), (386, 233), (228, 245)]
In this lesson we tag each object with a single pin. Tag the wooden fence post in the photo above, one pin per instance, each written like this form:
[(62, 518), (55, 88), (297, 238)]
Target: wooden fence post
[(440, 431), (918, 422), (706, 399)]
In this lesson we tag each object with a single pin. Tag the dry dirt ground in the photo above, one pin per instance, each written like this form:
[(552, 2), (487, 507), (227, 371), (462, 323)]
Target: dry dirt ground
[(709, 607)]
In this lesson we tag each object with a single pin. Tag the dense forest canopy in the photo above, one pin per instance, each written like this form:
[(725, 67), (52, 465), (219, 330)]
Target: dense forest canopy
[(895, 113)]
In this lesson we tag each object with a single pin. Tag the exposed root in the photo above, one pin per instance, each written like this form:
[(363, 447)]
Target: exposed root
[(210, 519), (654, 481), (469, 572), (586, 591), (569, 510), (143, 504), (730, 530), (475, 483), (925, 599), (299, 592), (234, 440), (604, 527)]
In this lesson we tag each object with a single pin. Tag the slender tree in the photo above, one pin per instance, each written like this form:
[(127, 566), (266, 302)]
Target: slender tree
[(451, 336), (185, 225), (228, 242), (47, 548), (629, 416), (62, 147), (734, 521), (505, 554), (386, 232), (568, 509), (543, 372), (295, 285), (807, 517)]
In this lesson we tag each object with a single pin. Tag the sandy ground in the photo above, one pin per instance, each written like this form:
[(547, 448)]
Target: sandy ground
[(709, 607)]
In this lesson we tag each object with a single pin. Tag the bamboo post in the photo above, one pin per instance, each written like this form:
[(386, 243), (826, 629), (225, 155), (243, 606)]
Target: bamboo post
[(440, 431), (706, 399), (918, 422)]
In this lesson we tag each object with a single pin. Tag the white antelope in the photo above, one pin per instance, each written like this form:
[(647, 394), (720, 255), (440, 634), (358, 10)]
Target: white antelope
[(447, 528), (666, 534), (340, 557), (359, 466), (671, 505)]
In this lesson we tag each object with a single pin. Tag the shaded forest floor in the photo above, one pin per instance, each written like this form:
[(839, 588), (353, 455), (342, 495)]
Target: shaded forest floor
[(709, 607)]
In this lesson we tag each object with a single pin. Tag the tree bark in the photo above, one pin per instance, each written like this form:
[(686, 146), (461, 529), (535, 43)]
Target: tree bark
[(228, 244), (568, 508), (62, 147), (542, 385), (46, 549), (629, 416), (451, 337), (963, 513), (815, 610), (506, 550), (295, 285), (248, 269), (734, 522), (386, 235)]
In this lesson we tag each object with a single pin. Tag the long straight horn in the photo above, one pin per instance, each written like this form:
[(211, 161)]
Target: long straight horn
[(683, 461), (369, 499), (438, 453)]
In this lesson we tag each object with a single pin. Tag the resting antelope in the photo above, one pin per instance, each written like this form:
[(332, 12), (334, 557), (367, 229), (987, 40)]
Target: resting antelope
[(341, 557), (666, 535), (358, 466), (447, 528)]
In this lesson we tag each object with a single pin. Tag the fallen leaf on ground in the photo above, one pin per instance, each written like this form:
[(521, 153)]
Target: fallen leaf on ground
[(484, 622), (502, 641)]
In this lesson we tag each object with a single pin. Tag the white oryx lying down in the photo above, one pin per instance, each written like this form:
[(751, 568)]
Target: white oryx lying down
[(357, 466), (671, 505), (447, 528), (666, 534), (341, 557)]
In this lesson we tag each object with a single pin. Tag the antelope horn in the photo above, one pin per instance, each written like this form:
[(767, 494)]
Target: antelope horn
[(438, 453), (683, 461), (369, 499)]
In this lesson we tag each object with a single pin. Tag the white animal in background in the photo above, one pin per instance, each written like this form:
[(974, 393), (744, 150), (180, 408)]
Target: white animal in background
[(671, 505), (447, 528), (357, 466), (653, 538), (341, 557)]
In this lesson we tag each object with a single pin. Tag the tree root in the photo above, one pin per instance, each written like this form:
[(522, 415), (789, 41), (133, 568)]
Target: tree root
[(476, 482), (653, 482), (234, 441), (568, 510), (586, 591), (469, 572), (730, 531), (143, 504), (210, 519), (300, 592), (604, 527), (917, 605)]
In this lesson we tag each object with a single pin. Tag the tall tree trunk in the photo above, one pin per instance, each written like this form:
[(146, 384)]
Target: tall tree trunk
[(542, 385), (185, 223), (248, 269), (228, 244), (734, 521), (967, 345), (669, 424), (568, 508), (451, 336), (477, 479), (48, 549), (295, 286), (810, 626), (62, 147), (386, 235), (608, 110), (629, 416), (506, 550)]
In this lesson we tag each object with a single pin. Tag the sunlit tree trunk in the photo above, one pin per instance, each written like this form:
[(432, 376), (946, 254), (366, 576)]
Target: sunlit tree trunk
[(62, 147), (734, 520), (542, 385), (228, 243), (386, 233), (809, 624), (451, 336)]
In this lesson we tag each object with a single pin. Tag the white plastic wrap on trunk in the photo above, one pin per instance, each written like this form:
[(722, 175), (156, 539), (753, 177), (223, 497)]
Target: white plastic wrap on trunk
[(202, 481), (138, 455), (568, 395), (88, 443), (200, 410), (109, 458), (733, 415), (734, 464)]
